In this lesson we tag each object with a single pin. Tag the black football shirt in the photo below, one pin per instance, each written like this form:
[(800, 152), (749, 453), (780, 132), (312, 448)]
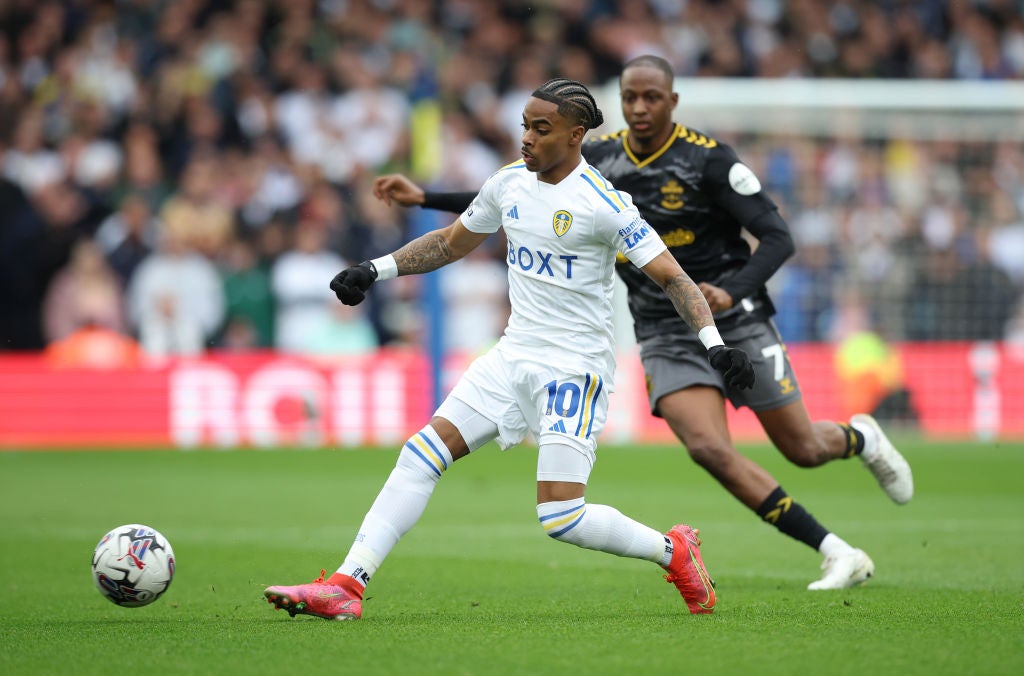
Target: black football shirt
[(698, 196)]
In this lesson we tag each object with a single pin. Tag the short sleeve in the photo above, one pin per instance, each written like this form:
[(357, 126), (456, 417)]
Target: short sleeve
[(484, 213), (631, 235)]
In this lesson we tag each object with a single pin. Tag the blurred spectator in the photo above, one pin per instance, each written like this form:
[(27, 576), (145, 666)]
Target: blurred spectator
[(958, 299), (272, 186), (527, 72), (325, 208), (175, 300), (475, 292), (803, 292), (342, 330), (467, 161), (64, 215), (1005, 242), (104, 68), (20, 293), (29, 163), (93, 161), (86, 292), (142, 173), (194, 216), (253, 105), (249, 298), (300, 280), (301, 111), (804, 288), (37, 233), (871, 373), (128, 236), (367, 124), (403, 321), (375, 230)]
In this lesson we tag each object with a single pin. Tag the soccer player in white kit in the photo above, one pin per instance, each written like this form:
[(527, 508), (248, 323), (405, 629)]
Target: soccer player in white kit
[(551, 372)]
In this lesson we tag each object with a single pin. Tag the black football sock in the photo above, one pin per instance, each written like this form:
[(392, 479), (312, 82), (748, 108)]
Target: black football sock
[(789, 517), (854, 440)]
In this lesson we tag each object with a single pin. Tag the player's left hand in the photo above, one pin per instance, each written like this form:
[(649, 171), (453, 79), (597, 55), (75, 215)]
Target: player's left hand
[(718, 298), (734, 365)]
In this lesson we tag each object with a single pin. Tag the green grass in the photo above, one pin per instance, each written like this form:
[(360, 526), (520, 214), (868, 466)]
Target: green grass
[(476, 588)]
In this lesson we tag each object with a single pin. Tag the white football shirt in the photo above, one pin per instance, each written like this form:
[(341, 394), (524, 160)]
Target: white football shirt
[(562, 243)]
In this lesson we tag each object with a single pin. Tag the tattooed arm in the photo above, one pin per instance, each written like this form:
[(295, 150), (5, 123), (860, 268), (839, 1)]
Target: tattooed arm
[(686, 296), (733, 363), (423, 254), (437, 248)]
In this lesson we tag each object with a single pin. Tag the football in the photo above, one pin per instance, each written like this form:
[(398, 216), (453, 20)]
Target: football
[(133, 565)]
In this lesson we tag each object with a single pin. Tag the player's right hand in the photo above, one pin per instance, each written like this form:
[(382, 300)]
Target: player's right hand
[(734, 365), (350, 284), (398, 188)]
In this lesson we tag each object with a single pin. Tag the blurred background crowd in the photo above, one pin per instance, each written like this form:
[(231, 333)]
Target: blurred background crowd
[(180, 175)]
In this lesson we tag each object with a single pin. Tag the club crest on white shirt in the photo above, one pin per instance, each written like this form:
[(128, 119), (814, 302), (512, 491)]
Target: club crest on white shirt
[(561, 221)]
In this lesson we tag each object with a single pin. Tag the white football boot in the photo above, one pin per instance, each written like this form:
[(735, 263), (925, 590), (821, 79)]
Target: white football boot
[(889, 467), (844, 570)]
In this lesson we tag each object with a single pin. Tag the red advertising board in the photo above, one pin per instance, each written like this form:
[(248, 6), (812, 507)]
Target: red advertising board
[(219, 400), (957, 390)]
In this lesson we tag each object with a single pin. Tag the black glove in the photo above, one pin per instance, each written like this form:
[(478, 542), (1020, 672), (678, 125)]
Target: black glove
[(350, 284), (734, 365)]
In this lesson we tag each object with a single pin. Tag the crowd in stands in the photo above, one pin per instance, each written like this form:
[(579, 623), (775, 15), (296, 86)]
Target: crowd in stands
[(191, 173)]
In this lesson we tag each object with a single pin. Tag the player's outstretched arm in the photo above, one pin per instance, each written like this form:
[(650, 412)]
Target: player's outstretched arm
[(399, 189), (402, 191), (438, 248), (733, 363), (423, 254)]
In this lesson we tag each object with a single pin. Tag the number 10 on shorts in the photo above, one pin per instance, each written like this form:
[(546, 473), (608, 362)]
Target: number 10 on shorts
[(564, 399), (568, 399)]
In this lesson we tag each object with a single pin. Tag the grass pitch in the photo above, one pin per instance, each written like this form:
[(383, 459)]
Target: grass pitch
[(476, 587)]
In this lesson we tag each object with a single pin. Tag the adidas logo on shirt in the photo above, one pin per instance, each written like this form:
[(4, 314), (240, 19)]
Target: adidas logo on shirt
[(513, 212)]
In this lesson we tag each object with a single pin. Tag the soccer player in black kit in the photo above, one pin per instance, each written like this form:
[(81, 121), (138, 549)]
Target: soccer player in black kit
[(698, 195)]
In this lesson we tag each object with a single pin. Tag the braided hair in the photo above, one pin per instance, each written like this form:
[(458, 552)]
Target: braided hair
[(574, 101)]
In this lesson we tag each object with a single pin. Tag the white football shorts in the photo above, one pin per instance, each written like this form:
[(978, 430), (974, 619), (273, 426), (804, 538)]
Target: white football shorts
[(505, 398)]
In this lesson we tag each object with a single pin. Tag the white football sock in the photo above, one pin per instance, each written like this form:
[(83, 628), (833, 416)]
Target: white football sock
[(833, 546), (602, 528), (870, 440), (399, 504)]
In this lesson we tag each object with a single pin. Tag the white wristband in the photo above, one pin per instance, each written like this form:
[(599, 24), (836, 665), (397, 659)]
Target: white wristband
[(386, 267), (710, 336)]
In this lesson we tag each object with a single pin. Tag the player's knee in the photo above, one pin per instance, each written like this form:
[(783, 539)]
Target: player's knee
[(711, 454), (425, 454), (561, 519)]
